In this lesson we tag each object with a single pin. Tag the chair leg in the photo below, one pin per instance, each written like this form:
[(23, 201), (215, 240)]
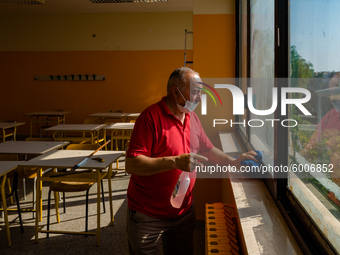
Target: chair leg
[(117, 161), (19, 211), (24, 187), (56, 204), (103, 195), (64, 203), (15, 190), (48, 212), (10, 189), (87, 211), (34, 189)]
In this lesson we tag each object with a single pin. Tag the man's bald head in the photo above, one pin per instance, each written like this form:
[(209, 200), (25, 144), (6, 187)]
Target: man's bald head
[(180, 78)]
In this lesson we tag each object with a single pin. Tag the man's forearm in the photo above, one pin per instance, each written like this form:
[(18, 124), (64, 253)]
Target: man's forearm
[(219, 157), (143, 165)]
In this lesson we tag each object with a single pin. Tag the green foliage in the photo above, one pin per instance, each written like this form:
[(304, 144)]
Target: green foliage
[(300, 68), (320, 153)]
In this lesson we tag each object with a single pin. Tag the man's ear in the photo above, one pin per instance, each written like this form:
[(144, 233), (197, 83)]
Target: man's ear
[(174, 91)]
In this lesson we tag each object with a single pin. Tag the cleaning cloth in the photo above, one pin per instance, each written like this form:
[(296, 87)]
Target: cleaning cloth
[(249, 162)]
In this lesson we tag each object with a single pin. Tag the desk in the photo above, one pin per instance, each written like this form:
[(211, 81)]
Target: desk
[(33, 148), (30, 147), (59, 115), (93, 129), (5, 168), (115, 115), (122, 127), (67, 159), (8, 125)]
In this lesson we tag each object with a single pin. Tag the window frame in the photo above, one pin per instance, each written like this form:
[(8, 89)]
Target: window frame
[(309, 237)]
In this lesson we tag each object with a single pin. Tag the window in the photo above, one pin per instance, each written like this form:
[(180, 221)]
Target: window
[(262, 75), (314, 143), (298, 40)]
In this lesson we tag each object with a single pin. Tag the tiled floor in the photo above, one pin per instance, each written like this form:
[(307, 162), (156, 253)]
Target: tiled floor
[(113, 238)]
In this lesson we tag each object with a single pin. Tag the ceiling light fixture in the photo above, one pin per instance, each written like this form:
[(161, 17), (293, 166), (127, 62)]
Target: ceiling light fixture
[(22, 2), (126, 1)]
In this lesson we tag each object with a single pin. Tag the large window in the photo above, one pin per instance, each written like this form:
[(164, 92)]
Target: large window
[(314, 144), (296, 44)]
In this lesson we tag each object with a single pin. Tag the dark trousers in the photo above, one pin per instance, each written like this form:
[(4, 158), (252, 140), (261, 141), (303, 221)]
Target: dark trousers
[(149, 235)]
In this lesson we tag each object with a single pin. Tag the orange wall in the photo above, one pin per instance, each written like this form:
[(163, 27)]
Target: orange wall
[(134, 80), (214, 45), (214, 57)]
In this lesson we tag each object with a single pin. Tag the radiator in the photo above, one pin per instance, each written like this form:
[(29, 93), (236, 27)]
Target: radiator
[(220, 230)]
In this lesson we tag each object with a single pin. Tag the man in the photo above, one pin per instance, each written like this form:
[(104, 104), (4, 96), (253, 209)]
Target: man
[(327, 133), (163, 137), (331, 120)]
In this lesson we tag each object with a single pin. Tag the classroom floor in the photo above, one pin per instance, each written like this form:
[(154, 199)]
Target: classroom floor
[(113, 238)]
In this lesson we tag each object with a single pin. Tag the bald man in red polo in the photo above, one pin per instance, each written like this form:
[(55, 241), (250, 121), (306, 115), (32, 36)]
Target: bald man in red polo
[(163, 137)]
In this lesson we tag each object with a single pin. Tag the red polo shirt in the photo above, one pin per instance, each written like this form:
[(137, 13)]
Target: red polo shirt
[(158, 133), (329, 125)]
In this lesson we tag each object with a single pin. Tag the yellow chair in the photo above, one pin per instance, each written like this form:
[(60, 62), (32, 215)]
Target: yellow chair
[(14, 175), (31, 172), (100, 138), (40, 130), (13, 130), (119, 137), (68, 186), (27, 173)]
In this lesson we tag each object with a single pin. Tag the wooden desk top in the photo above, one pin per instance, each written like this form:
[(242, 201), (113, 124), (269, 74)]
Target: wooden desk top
[(114, 114), (70, 158), (76, 127), (4, 125), (8, 166), (51, 113), (121, 126), (30, 147)]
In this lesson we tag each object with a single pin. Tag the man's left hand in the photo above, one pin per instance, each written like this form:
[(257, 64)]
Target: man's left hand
[(244, 156)]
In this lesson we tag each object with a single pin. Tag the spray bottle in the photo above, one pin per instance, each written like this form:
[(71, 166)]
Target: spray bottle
[(181, 187)]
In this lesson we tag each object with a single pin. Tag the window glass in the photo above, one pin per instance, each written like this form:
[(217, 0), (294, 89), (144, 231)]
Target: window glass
[(314, 144), (262, 73)]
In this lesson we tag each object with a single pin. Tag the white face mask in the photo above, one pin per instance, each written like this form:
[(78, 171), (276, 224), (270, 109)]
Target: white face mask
[(188, 107)]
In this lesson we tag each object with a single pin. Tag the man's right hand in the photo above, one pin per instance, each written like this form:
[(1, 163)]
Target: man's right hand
[(187, 162)]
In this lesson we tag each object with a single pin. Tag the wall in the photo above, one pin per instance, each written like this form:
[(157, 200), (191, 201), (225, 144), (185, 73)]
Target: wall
[(214, 59), (135, 51)]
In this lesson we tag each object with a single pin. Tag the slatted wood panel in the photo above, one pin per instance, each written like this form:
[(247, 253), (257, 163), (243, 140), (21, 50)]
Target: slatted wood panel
[(221, 232)]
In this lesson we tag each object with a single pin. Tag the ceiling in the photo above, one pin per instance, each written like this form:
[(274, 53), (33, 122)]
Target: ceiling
[(86, 6)]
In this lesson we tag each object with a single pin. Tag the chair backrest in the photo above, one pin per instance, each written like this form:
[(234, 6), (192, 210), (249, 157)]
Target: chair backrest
[(94, 121), (8, 157), (38, 139), (132, 121), (83, 146)]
